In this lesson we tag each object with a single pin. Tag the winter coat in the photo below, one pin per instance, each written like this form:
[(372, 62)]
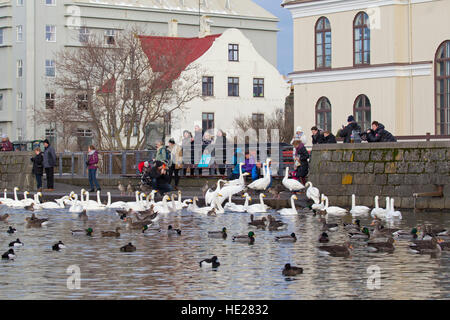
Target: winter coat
[(49, 157), (92, 160), (346, 133), (176, 156), (161, 179), (317, 138), (380, 135), (161, 154), (38, 164), (187, 146), (6, 146), (220, 144), (330, 139), (302, 153)]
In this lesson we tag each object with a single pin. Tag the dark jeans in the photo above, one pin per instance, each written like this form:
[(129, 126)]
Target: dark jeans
[(161, 187), (93, 179), (39, 180), (302, 171), (173, 171), (50, 179)]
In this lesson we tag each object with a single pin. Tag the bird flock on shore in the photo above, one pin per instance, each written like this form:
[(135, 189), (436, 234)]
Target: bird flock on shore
[(145, 212)]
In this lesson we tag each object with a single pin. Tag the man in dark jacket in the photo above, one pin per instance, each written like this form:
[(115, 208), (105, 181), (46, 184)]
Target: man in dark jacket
[(317, 137), (379, 134), (38, 167), (328, 137), (160, 178), (49, 164), (302, 156), (351, 128)]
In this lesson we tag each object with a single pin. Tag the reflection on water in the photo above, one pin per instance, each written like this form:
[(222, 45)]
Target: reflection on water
[(166, 267)]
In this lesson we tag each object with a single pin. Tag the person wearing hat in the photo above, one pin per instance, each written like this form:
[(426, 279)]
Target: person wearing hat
[(49, 164), (352, 128), (6, 144), (299, 136), (176, 162)]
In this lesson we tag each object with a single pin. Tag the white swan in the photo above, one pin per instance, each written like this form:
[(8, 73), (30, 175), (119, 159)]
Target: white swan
[(5, 200), (209, 196), (321, 205), (115, 205), (16, 203), (225, 192), (77, 205), (392, 213), (292, 184), (93, 205), (312, 192), (237, 181), (258, 207), (377, 211), (262, 183), (27, 201), (47, 205), (334, 210), (162, 207), (230, 206), (290, 211), (204, 210), (137, 205), (358, 210)]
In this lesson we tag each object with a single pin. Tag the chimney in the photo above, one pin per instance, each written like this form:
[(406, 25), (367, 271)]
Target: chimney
[(205, 26), (173, 28)]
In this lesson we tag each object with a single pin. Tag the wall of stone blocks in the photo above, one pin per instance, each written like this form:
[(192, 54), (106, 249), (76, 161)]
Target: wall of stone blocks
[(385, 169), (15, 171)]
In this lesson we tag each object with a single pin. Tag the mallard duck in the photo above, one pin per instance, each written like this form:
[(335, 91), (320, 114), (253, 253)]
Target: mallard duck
[(257, 223), (34, 222), (111, 233), (172, 231), (218, 234), (212, 212), (324, 238), (213, 262), (9, 255), (249, 238), (406, 235), (425, 246), (428, 229), (337, 250), (291, 270), (30, 207), (121, 188), (83, 215), (377, 246), (58, 246), (363, 234), (4, 217), (380, 231), (16, 243), (354, 226), (11, 230), (329, 226), (87, 232), (275, 225), (128, 248), (287, 238), (137, 225)]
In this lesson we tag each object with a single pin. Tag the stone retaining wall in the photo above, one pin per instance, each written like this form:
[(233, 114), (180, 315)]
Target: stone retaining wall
[(385, 169), (15, 171)]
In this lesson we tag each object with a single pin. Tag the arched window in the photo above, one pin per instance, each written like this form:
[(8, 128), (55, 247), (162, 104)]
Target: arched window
[(361, 37), (361, 111), (323, 43), (323, 114), (442, 68)]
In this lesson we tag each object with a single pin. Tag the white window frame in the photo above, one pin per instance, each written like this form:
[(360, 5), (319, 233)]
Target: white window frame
[(19, 33), (20, 3), (19, 101), (51, 4), (52, 97), (50, 33), (52, 62), (50, 133), (19, 68), (2, 34), (110, 33), (85, 35)]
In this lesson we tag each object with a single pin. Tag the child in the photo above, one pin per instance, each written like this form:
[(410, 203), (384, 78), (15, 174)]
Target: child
[(38, 167)]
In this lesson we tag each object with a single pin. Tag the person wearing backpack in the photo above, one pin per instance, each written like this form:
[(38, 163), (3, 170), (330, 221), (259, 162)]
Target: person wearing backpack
[(351, 133), (161, 153)]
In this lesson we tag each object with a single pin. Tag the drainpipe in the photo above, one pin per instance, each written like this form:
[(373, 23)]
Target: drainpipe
[(439, 193), (411, 85)]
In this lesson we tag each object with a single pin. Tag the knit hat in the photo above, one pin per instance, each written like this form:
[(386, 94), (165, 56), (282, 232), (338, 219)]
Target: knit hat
[(4, 136), (350, 119), (172, 141), (299, 129), (46, 141)]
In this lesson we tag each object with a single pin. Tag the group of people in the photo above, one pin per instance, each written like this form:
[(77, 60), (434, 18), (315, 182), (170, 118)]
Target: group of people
[(44, 161)]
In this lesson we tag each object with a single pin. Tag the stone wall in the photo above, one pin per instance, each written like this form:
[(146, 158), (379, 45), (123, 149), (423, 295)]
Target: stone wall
[(385, 169), (15, 171)]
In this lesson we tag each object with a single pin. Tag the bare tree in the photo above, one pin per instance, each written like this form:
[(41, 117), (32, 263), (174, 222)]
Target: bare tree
[(117, 89)]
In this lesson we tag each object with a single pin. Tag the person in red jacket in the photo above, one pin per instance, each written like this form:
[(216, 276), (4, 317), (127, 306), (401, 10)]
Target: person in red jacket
[(6, 145), (92, 168)]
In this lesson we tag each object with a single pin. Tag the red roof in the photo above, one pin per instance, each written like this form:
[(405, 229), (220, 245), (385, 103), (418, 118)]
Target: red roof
[(108, 87), (171, 55)]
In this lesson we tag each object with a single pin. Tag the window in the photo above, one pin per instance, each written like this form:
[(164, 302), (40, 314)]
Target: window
[(19, 30), (19, 68), (50, 133), (110, 37), (84, 35), (361, 111), (19, 3), (50, 2), (50, 33), (1, 36), (49, 100), (207, 121), (82, 101), (233, 52), (442, 88), (135, 129), (208, 86), (87, 133), (233, 87), (131, 89), (19, 134), (19, 101), (1, 101), (258, 87), (323, 114), (323, 43), (361, 37), (258, 120), (50, 68)]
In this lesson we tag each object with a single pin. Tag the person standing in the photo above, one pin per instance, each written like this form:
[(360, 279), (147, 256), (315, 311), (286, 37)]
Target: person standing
[(92, 164), (328, 137), (38, 167), (6, 145), (379, 134), (49, 164), (317, 137), (176, 162), (351, 131), (161, 153), (302, 156), (220, 150), (299, 136), (188, 149)]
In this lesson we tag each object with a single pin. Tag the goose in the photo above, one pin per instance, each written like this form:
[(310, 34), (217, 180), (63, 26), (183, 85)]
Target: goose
[(128, 248), (58, 246), (16, 203), (290, 271), (292, 184), (261, 184), (334, 210), (230, 206), (249, 238), (218, 234), (258, 207), (47, 205), (377, 246), (16, 243), (115, 205), (357, 211), (9, 255), (292, 211), (288, 238), (210, 263), (337, 250), (111, 233), (392, 213), (377, 211), (312, 192)]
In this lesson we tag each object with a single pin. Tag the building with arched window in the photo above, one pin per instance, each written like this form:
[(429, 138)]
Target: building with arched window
[(390, 63)]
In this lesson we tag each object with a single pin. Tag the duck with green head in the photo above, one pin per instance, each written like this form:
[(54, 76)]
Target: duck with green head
[(87, 232), (363, 234), (249, 238), (218, 234)]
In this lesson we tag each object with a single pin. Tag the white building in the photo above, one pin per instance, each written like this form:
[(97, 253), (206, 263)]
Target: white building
[(31, 31), (236, 81)]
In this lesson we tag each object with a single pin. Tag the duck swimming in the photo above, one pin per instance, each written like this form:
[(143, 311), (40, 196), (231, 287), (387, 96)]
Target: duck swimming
[(324, 238), (260, 224), (218, 234), (213, 262), (11, 230), (337, 250), (16, 243), (9, 255), (87, 232), (4, 217), (291, 270), (172, 231), (249, 238), (128, 248), (58, 246), (111, 233), (287, 238), (377, 246)]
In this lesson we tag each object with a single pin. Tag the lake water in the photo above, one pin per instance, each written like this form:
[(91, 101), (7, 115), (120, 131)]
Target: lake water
[(167, 267)]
